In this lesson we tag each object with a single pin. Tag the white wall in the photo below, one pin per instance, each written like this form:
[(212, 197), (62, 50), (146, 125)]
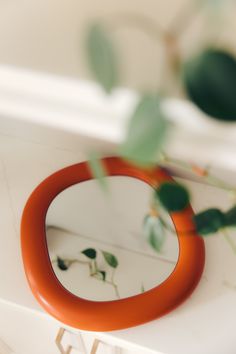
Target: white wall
[(48, 35)]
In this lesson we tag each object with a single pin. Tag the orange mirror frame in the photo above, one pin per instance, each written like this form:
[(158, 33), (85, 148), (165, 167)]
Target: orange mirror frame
[(107, 315)]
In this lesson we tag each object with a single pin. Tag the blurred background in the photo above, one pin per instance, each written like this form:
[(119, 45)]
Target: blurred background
[(48, 35)]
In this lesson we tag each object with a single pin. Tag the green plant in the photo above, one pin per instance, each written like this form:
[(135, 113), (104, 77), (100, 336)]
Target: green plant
[(105, 274), (207, 78), (95, 271)]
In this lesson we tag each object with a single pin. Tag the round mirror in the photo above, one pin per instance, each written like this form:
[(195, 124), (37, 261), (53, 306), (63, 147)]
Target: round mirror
[(97, 244)]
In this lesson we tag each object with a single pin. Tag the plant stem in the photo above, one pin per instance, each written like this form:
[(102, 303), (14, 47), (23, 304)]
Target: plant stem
[(116, 291), (211, 179), (112, 283), (93, 271), (115, 286), (167, 226), (230, 242), (184, 18), (155, 32), (112, 274), (150, 27), (95, 265), (71, 261)]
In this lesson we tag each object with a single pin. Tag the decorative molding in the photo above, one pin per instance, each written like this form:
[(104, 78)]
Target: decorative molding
[(57, 111)]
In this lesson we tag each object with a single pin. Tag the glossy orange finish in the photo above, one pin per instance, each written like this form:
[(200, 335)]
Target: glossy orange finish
[(107, 315)]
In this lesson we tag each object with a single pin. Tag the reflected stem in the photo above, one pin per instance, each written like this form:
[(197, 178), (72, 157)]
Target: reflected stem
[(114, 285), (93, 272)]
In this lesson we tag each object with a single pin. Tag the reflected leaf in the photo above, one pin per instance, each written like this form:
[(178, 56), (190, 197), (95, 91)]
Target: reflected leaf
[(146, 132), (90, 253), (154, 232), (101, 57), (62, 264), (102, 274), (110, 259)]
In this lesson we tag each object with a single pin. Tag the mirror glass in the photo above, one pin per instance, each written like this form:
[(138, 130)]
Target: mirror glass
[(96, 241)]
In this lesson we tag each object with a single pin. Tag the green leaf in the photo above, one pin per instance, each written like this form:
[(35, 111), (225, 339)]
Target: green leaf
[(98, 171), (146, 132), (61, 264), (154, 232), (172, 196), (101, 57), (210, 81), (102, 273), (209, 221), (230, 217), (90, 253), (110, 259)]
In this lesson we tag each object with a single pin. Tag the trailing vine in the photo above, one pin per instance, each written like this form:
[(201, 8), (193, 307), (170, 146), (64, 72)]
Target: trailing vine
[(95, 271)]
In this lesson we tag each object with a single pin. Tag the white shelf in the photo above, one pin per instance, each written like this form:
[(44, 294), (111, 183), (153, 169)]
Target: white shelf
[(47, 123)]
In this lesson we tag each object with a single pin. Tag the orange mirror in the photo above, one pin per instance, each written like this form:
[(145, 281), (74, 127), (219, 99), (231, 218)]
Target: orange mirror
[(45, 223)]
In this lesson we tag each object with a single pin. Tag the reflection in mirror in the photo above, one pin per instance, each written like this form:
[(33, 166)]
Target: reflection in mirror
[(96, 241)]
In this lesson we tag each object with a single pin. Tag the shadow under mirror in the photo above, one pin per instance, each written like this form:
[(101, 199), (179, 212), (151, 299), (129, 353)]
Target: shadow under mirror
[(97, 244)]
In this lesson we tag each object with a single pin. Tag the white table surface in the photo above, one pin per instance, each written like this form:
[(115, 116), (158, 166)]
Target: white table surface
[(204, 324)]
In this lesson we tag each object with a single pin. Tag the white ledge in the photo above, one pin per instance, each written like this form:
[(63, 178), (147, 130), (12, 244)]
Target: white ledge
[(82, 108)]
